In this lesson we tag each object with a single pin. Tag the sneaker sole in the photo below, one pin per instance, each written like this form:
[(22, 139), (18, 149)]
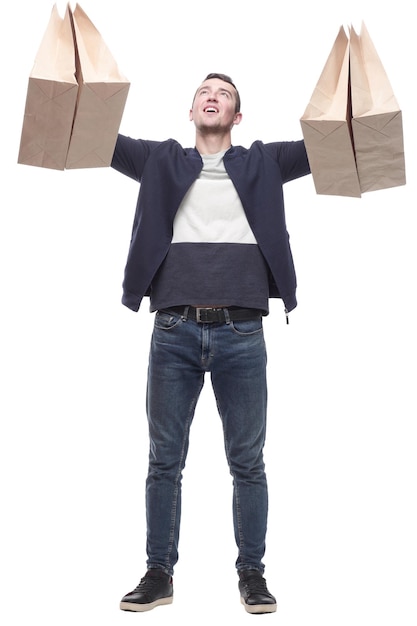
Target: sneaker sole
[(134, 606), (258, 609)]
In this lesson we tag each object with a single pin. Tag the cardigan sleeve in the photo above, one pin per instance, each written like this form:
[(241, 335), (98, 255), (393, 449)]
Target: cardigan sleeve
[(292, 158), (130, 156)]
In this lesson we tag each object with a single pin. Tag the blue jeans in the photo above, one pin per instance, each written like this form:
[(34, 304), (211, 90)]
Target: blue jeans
[(182, 351)]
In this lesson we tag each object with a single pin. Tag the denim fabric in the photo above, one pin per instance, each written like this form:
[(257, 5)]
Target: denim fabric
[(182, 351)]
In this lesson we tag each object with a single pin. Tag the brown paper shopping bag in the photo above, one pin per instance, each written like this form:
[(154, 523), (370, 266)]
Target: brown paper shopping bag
[(102, 96), (51, 98), (326, 126), (376, 118)]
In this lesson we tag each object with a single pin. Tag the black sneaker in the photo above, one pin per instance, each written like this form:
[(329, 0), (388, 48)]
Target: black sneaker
[(254, 594), (154, 589)]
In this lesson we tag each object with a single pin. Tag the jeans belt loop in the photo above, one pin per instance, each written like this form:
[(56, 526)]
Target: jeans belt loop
[(226, 315), (184, 315)]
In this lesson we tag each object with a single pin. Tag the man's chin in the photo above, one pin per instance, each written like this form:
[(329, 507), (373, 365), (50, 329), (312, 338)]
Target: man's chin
[(210, 129)]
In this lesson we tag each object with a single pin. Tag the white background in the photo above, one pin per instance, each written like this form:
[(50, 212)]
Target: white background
[(341, 452)]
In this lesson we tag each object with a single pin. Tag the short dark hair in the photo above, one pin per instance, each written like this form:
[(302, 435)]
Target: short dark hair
[(226, 79)]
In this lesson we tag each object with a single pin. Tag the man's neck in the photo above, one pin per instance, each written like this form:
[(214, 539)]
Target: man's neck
[(212, 143)]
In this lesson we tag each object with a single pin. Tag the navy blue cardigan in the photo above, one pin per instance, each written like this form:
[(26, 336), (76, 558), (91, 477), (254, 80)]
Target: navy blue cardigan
[(166, 170)]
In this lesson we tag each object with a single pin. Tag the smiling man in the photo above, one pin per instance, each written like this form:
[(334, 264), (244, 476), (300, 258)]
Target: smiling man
[(216, 107), (209, 247)]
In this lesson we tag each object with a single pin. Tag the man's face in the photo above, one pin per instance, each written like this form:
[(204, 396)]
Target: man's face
[(214, 106)]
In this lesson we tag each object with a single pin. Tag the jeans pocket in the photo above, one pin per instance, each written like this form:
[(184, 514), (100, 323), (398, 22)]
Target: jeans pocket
[(166, 321), (247, 327)]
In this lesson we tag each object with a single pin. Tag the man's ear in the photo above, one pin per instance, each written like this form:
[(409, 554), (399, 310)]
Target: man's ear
[(190, 115), (237, 118)]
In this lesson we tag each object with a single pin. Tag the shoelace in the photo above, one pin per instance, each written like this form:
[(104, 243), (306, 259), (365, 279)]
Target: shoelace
[(255, 584), (146, 584)]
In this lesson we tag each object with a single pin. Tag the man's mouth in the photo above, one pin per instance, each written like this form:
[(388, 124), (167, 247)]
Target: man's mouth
[(211, 110)]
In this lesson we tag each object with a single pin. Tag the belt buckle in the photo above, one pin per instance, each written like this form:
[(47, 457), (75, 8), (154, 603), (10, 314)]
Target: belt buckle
[(199, 311)]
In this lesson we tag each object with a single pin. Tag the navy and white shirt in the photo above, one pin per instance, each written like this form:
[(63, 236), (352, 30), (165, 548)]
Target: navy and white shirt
[(214, 257)]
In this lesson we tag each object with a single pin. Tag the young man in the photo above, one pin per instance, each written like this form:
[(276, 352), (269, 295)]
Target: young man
[(209, 247)]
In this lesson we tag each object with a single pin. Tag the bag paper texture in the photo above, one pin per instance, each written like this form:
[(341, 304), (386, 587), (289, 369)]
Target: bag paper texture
[(51, 98), (102, 96), (326, 126), (352, 126), (376, 118), (75, 98)]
